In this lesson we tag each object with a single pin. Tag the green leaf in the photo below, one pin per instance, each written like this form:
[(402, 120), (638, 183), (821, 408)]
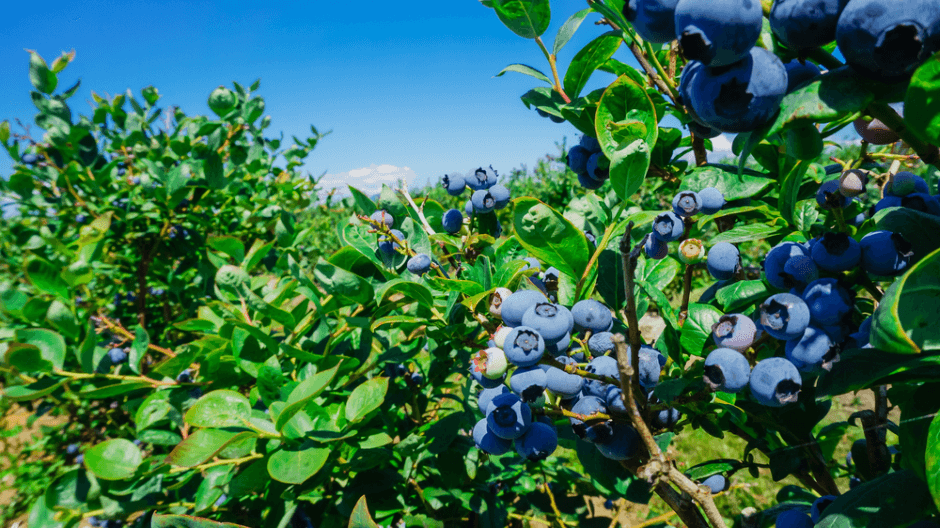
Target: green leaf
[(220, 408), (43, 387), (296, 465), (366, 398), (114, 459), (45, 276), (62, 319), (589, 59), (72, 490), (364, 204), (827, 98), (524, 69), (626, 128), (805, 215), (549, 236), (413, 291), (740, 294), (204, 444), (895, 499), (567, 30), (360, 517), (41, 77), (746, 232), (307, 390), (698, 327), (526, 18), (345, 285), (862, 368), (731, 185), (922, 101), (50, 344), (790, 189), (905, 320), (185, 521), (932, 459), (26, 358)]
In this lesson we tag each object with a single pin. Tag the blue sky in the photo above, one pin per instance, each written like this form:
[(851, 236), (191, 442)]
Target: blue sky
[(408, 92)]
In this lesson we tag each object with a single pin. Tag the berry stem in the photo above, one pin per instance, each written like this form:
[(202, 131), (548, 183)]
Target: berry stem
[(554, 65), (671, 84)]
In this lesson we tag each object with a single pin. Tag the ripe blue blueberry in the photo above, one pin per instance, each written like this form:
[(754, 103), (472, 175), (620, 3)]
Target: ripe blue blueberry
[(668, 227), (624, 442), (538, 442), (723, 261), (820, 505), (922, 202), (383, 216), (590, 237), (577, 159), (655, 248), (551, 274), (589, 183), (784, 316), (552, 321), (500, 195), (591, 315), (600, 344), (185, 377), (485, 382), (905, 183), (775, 261), (590, 144), (861, 337), (837, 252), (609, 504), (71, 449), (828, 195), (388, 245), (828, 302), (740, 97), (524, 346), (734, 331), (30, 159), (712, 200), (717, 483), (717, 34), (666, 418), (652, 362), (686, 203), (602, 366), (419, 264), (614, 399), (805, 24), (596, 430), (483, 201), (487, 395), (80, 219), (702, 131), (415, 378), (508, 417), (793, 519), (468, 208), (488, 442), (480, 179), (885, 253), (814, 352), (800, 271), (452, 221), (775, 382), (117, 355), (594, 169), (690, 70), (726, 370), (560, 382), (654, 20), (80, 458), (528, 382), (887, 44), (798, 73)]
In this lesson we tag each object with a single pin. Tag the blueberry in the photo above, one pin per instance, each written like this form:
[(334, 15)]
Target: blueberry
[(655, 248), (686, 203), (828, 302), (80, 219), (500, 195), (524, 346), (600, 344), (726, 370), (528, 382), (875, 131), (71, 449), (117, 356), (468, 208), (590, 238), (888, 201), (480, 179), (121, 172), (814, 352), (717, 33), (852, 182), (602, 366), (79, 459), (861, 337), (590, 144), (609, 504), (551, 274), (652, 362), (666, 418), (717, 483), (887, 44), (654, 20), (419, 264), (589, 183), (885, 253), (455, 185), (595, 172), (538, 442), (388, 245), (624, 443), (701, 130), (837, 252), (135, 180), (94, 522), (784, 316), (800, 271), (776, 260), (854, 482), (734, 331), (508, 417), (483, 201), (857, 220), (452, 220), (488, 442), (793, 519), (487, 395), (723, 261), (904, 183), (591, 315), (798, 73), (820, 505), (712, 200), (668, 227), (828, 195), (775, 382), (922, 202), (551, 321), (30, 159), (383, 216), (577, 159), (415, 378), (805, 24), (740, 97), (491, 362), (614, 399), (560, 382), (196, 393), (185, 377), (597, 430)]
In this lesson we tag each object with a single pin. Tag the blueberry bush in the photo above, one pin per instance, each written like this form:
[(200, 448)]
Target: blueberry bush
[(229, 351)]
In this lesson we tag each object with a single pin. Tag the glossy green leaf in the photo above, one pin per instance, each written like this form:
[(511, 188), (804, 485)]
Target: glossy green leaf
[(827, 98), (871, 504), (114, 459), (745, 233), (366, 398), (41, 77), (204, 444), (626, 128), (26, 358), (72, 490), (922, 230), (526, 18), (360, 517), (50, 344), (731, 185), (922, 101), (185, 521), (805, 215), (32, 391), (567, 30), (343, 284), (296, 465), (905, 320), (45, 276), (740, 294), (526, 70), (863, 368), (589, 59), (304, 392), (698, 327), (789, 190), (221, 408), (549, 236)]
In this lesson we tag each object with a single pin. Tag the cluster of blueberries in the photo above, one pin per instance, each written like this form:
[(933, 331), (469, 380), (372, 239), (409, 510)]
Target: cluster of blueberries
[(488, 195), (588, 161), (904, 189), (732, 85), (418, 264)]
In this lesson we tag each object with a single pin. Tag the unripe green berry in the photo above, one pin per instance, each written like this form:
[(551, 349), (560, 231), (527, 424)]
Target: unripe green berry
[(221, 100), (491, 362), (691, 251)]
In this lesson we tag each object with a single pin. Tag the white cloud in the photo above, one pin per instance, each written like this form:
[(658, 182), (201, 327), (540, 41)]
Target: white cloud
[(368, 180)]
